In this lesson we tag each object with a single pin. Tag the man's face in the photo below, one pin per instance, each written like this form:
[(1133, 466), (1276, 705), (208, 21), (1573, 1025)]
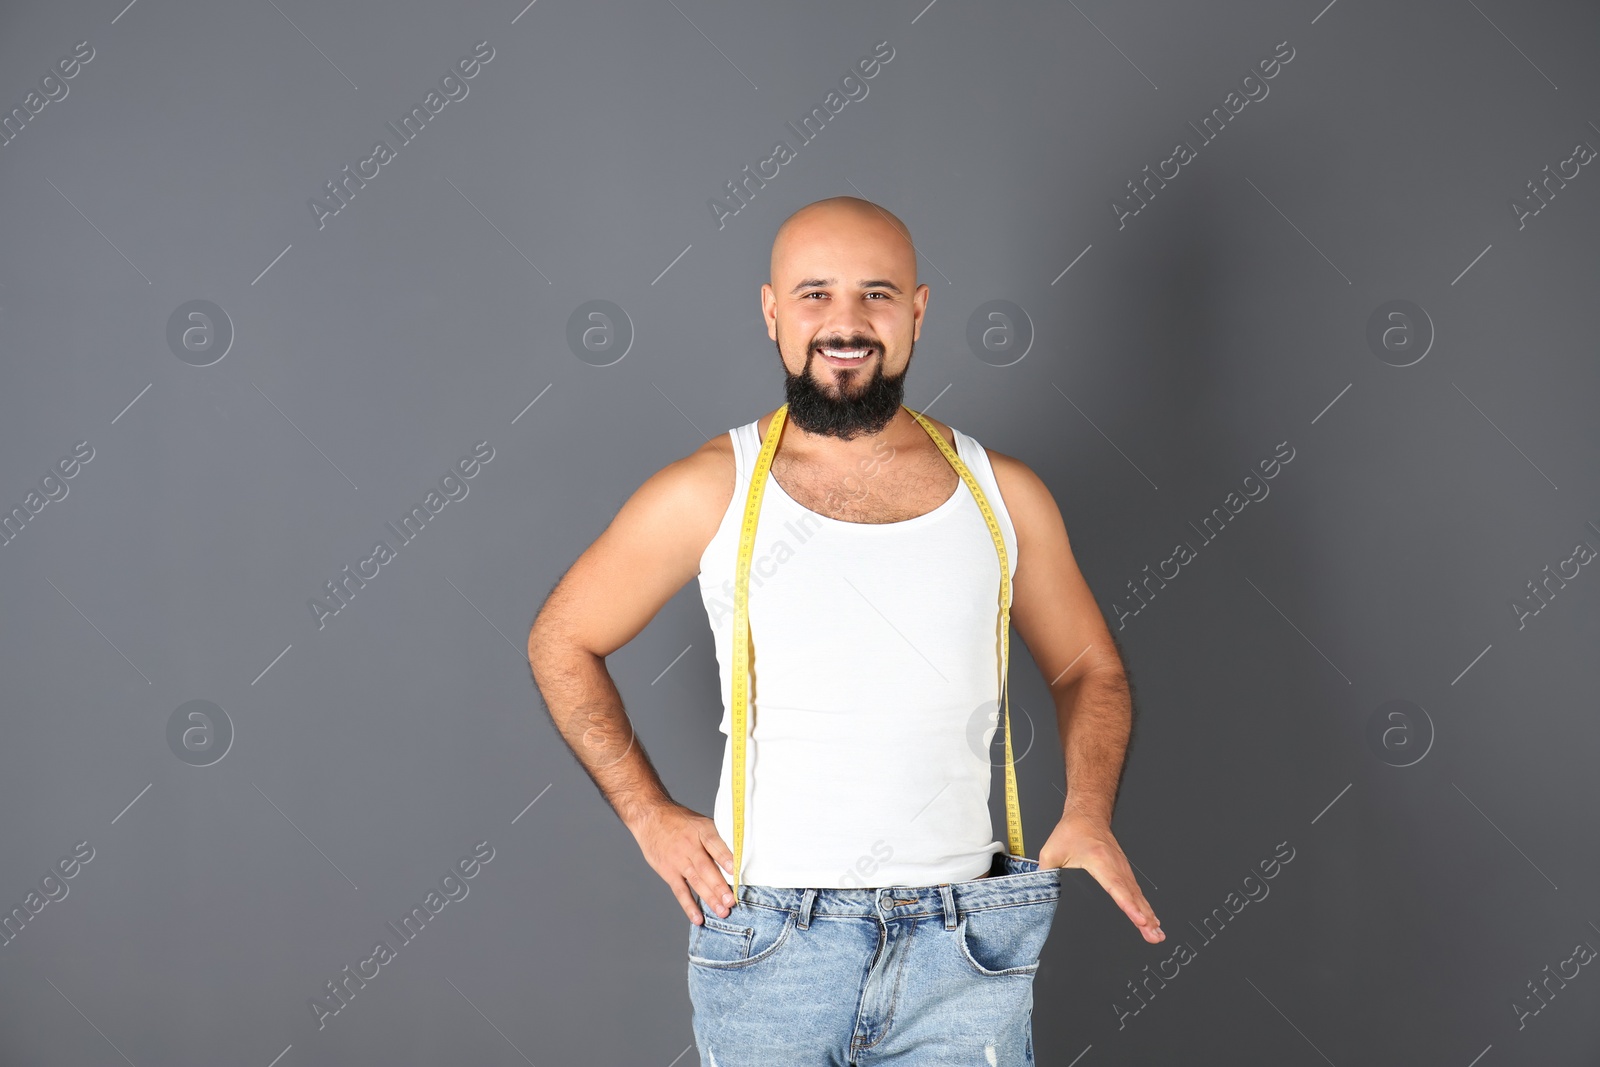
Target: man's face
[(845, 312)]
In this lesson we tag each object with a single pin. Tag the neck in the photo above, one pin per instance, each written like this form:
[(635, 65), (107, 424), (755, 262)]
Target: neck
[(828, 450)]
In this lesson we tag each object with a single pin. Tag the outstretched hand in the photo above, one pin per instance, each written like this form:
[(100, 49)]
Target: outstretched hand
[(1083, 841)]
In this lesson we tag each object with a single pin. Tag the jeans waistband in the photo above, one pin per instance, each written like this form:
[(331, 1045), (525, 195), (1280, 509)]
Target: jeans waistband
[(1013, 880)]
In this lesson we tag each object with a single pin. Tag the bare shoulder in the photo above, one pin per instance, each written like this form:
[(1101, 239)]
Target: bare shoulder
[(649, 551), (1016, 478), (706, 478), (1028, 500), (694, 491)]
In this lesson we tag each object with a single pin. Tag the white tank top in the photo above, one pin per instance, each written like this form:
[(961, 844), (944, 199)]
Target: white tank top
[(874, 685)]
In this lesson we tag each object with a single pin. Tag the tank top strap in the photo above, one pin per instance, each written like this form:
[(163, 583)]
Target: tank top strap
[(973, 454), (746, 449)]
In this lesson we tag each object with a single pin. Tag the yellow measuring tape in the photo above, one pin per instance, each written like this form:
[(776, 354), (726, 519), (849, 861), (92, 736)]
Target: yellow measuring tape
[(741, 628)]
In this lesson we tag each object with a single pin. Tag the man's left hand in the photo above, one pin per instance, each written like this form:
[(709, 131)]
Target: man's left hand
[(1083, 841)]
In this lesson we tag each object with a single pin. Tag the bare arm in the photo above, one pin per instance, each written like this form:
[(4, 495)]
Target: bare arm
[(1056, 614), (587, 710), (1095, 716), (610, 594)]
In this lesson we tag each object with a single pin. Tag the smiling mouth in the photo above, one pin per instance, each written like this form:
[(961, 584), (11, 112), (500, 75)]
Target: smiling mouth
[(846, 357)]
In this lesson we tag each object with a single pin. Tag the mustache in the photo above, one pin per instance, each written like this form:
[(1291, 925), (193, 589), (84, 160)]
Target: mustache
[(854, 342)]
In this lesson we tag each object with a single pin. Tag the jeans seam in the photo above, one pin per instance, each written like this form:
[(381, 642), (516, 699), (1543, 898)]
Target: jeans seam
[(964, 909), (746, 961), (985, 972)]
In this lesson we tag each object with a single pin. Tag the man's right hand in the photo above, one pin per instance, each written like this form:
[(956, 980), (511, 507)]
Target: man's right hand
[(684, 848)]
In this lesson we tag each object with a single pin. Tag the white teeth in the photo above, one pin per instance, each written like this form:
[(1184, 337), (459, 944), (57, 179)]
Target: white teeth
[(847, 353)]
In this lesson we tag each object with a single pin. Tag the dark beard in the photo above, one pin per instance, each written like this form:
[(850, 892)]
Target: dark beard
[(862, 409)]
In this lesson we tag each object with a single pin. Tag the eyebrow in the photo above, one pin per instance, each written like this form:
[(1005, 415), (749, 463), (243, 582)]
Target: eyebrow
[(812, 283)]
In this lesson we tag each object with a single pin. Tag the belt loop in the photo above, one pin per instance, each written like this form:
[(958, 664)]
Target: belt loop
[(806, 900), (949, 896)]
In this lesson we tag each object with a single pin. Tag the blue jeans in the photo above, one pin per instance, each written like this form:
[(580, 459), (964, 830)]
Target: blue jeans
[(913, 976)]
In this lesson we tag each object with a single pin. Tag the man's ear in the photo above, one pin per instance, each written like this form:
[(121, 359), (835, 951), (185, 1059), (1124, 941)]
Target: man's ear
[(919, 310), (769, 305)]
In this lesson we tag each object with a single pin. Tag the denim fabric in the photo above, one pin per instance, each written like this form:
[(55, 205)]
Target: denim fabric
[(914, 976)]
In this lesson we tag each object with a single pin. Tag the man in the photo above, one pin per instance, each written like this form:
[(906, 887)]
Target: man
[(877, 921)]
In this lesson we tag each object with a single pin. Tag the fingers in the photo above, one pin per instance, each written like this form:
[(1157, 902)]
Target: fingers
[(687, 859), (685, 901), (1099, 854), (711, 886), (1119, 882), (1138, 909), (720, 852), (701, 880), (709, 880), (1144, 916)]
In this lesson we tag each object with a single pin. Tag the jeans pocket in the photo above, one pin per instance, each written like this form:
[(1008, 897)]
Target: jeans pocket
[(749, 934), (1005, 940)]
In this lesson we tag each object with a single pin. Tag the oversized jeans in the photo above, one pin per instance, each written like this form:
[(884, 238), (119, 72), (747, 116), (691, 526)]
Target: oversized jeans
[(913, 976)]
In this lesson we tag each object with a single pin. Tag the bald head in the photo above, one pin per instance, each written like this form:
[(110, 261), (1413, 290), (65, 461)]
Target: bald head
[(845, 310), (841, 220)]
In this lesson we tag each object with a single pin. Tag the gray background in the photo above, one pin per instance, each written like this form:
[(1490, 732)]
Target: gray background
[(369, 754)]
